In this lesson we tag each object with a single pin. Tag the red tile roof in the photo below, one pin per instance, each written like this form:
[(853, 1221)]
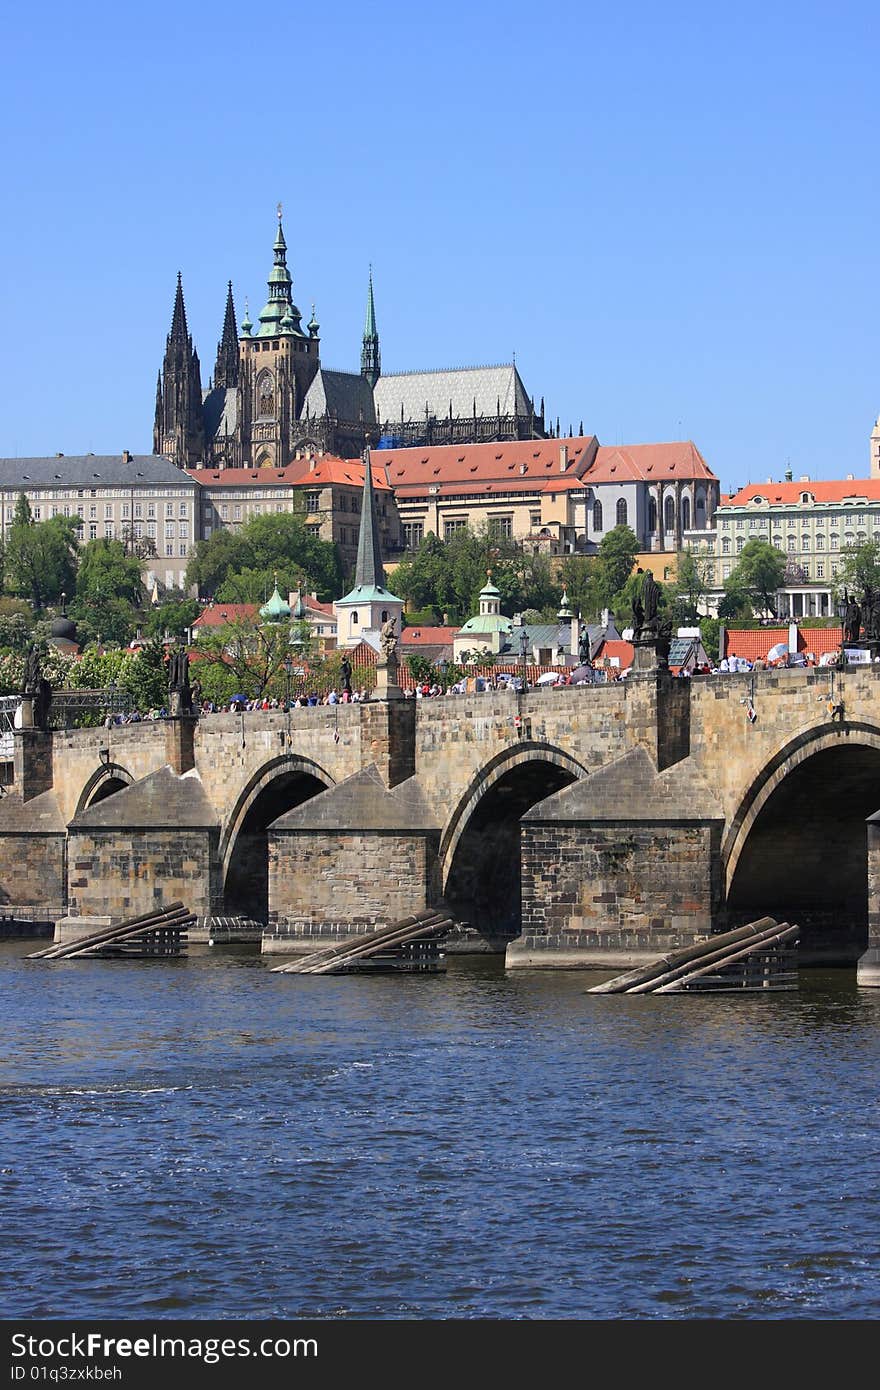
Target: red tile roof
[(650, 463), (754, 643), (622, 650), (219, 613), (427, 636), (509, 466), (299, 473), (835, 490)]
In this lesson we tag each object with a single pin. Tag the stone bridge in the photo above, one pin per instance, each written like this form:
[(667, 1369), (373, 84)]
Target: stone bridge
[(579, 826)]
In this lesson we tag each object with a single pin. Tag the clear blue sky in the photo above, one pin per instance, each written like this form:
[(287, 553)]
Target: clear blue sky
[(668, 212)]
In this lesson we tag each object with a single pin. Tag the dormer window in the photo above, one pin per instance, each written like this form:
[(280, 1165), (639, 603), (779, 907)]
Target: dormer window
[(806, 499), (757, 501)]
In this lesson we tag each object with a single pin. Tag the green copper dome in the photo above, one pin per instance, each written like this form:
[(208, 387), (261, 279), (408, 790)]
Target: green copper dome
[(276, 610)]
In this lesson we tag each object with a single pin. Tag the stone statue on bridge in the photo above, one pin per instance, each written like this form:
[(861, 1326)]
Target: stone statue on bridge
[(36, 688), (852, 622), (388, 638), (178, 682), (645, 599)]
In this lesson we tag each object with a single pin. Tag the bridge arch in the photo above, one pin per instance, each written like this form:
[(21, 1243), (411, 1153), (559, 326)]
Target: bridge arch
[(104, 781), (479, 855), (276, 787), (797, 845)]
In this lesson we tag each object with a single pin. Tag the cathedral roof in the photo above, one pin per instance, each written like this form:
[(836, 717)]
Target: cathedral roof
[(344, 394), (220, 406), (496, 390), (91, 470), (305, 472)]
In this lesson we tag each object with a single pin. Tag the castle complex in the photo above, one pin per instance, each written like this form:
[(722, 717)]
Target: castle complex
[(270, 399)]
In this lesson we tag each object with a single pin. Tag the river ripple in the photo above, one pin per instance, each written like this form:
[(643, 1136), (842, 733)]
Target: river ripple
[(204, 1139)]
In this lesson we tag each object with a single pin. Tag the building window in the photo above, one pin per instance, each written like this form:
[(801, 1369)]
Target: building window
[(450, 527), (820, 570), (501, 526), (108, 511), (93, 511), (413, 534), (183, 550), (740, 542), (183, 530), (725, 545), (805, 542), (621, 511), (835, 542), (169, 530), (354, 618), (224, 511), (138, 509), (597, 515), (820, 542), (169, 508), (138, 530), (93, 530), (182, 509), (169, 549), (38, 512), (313, 501), (151, 530), (314, 529), (652, 514), (669, 515), (535, 520), (792, 544), (740, 523), (725, 571), (151, 509), (109, 529), (685, 514)]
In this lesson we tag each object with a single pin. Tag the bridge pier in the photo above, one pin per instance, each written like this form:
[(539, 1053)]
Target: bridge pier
[(353, 858), (619, 868)]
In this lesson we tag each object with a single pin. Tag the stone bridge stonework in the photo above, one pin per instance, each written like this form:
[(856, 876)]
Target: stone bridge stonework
[(582, 826)]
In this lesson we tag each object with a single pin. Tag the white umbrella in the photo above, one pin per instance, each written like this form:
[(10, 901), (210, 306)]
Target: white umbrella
[(776, 653), (548, 678)]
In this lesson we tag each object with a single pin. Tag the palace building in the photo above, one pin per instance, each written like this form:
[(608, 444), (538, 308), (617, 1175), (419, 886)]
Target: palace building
[(270, 399)]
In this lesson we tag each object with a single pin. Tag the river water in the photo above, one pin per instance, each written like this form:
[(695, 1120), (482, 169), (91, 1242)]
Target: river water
[(204, 1139)]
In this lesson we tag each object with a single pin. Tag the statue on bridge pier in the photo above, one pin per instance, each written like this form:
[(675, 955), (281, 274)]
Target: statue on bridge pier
[(179, 687), (36, 691), (852, 621)]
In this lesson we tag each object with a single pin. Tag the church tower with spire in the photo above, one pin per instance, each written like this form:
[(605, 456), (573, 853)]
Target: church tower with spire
[(178, 428), (277, 364), (371, 361), (369, 603)]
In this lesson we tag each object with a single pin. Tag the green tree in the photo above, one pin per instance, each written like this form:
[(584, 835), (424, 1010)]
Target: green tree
[(758, 574), (582, 579), (173, 615), (689, 591), (108, 590), (41, 556), (617, 555), (211, 560), (275, 542), (859, 570), (252, 651), (145, 677)]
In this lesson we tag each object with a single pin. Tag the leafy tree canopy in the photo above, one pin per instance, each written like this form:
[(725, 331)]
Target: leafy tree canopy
[(40, 556), (859, 570), (274, 541), (447, 576), (617, 555), (758, 574)]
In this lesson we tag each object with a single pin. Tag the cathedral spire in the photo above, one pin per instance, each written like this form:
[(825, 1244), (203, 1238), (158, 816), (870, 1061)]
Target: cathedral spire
[(226, 367), (179, 331), (280, 313), (371, 361)]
